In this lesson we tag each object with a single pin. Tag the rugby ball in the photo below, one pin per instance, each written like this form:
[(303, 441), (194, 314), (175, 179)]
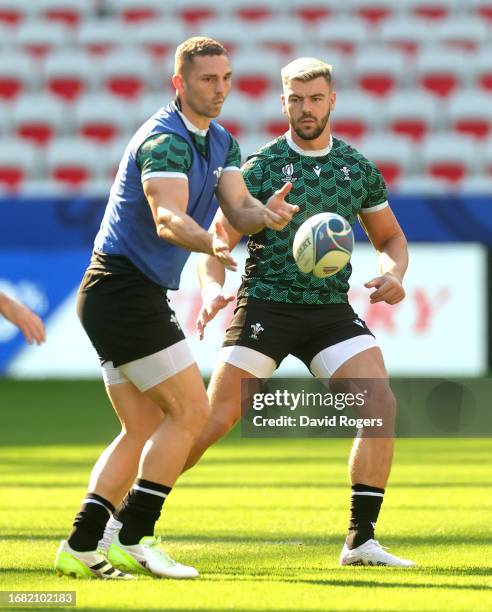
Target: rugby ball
[(323, 245)]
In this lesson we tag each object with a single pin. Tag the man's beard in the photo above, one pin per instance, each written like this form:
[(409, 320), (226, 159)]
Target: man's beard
[(318, 130)]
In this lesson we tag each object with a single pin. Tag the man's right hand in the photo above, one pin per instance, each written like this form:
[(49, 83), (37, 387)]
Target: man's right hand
[(213, 301), (220, 247)]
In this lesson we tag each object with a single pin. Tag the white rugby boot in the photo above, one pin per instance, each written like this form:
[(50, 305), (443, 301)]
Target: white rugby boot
[(371, 553), (148, 557)]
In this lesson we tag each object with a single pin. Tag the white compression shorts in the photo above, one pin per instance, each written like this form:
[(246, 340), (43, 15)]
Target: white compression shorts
[(151, 370)]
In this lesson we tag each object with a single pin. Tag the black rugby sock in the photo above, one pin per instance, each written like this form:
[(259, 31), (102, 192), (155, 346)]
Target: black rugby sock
[(365, 504), (140, 510), (89, 524)]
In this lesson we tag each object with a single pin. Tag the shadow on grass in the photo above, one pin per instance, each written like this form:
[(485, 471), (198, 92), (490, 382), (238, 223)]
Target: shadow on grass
[(304, 484), (283, 539)]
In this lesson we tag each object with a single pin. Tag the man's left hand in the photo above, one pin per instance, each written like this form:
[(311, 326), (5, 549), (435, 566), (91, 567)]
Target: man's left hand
[(389, 289)]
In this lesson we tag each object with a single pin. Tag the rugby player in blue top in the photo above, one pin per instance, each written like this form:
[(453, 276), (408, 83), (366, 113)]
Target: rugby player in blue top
[(176, 170)]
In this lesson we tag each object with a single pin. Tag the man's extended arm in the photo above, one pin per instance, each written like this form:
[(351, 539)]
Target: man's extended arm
[(389, 240), (29, 323)]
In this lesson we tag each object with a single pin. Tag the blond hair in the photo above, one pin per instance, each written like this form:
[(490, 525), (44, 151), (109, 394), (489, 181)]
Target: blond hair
[(195, 46), (306, 69)]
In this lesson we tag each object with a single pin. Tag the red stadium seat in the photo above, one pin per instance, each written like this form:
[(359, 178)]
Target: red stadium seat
[(231, 32), (17, 74), (374, 11), (137, 11), (354, 115), (450, 158), (13, 12), (240, 114), (486, 154), (253, 11), (99, 36), (40, 37), (68, 12), (470, 114), (411, 114), (156, 36), (440, 70), (405, 33), (392, 155), (73, 162), (314, 11), (431, 9), (481, 68), (343, 33), (483, 9), (102, 118), (281, 34), (68, 74), (126, 74), (256, 73), (378, 72), (461, 32), (17, 162), (38, 118), (192, 12)]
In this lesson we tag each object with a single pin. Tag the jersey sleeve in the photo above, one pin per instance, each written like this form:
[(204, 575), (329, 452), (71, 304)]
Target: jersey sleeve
[(253, 176), (233, 161), (377, 196), (164, 156)]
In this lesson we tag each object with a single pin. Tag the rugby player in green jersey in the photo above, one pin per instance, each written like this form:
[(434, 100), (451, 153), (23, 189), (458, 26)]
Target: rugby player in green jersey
[(282, 311)]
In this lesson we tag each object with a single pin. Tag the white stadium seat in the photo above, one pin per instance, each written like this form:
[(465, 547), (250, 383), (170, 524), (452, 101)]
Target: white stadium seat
[(101, 35), (441, 70), (432, 9), (137, 10), (68, 74), (68, 12), (355, 115), (159, 36), (404, 32), (345, 33), (73, 162), (127, 74), (38, 37), (411, 113), (471, 114), (379, 72), (461, 31), (39, 117), (18, 74), (19, 161), (103, 118), (448, 156), (230, 31), (394, 156)]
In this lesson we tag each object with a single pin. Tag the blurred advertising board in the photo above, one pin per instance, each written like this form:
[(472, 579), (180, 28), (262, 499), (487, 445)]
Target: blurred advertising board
[(440, 329)]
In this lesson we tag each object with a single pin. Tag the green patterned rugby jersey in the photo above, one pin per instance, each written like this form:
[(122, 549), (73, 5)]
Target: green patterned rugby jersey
[(171, 153), (343, 181)]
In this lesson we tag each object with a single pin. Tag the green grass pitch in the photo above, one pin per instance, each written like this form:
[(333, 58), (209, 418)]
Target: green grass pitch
[(263, 520)]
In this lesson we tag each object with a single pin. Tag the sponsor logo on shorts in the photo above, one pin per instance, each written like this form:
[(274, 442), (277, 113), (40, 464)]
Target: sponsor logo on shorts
[(256, 329), (359, 322), (174, 320)]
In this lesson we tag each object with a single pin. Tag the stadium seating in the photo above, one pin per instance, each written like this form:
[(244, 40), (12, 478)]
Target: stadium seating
[(18, 161), (73, 162), (448, 157), (410, 76), (411, 114), (38, 118)]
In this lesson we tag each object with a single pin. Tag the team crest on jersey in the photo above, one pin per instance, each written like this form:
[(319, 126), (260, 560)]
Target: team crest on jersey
[(256, 329), (346, 173), (288, 172)]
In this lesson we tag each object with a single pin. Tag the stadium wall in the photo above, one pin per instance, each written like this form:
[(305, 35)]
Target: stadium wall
[(441, 329)]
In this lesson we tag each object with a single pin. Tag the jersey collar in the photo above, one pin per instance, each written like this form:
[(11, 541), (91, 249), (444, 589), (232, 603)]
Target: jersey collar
[(188, 125), (297, 148)]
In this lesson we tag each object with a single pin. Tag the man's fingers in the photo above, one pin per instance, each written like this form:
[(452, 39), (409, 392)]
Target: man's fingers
[(375, 282), (284, 190)]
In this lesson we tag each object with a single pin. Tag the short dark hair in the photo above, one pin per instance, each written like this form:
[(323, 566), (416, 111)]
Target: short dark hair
[(190, 48)]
